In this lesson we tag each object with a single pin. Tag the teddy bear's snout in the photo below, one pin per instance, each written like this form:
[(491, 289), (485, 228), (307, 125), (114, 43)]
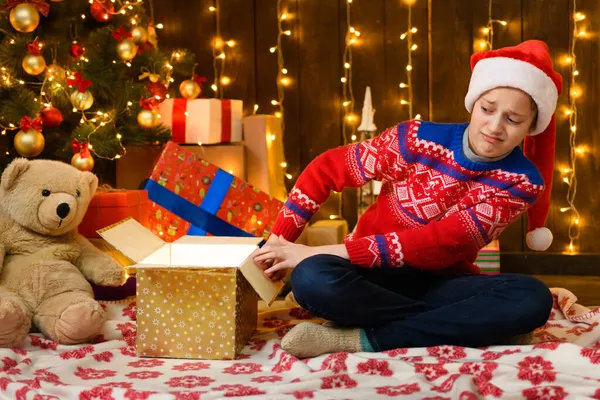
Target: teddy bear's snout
[(63, 210)]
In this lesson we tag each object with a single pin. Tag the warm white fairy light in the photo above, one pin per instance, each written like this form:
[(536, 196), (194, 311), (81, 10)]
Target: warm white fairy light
[(282, 80), (219, 54), (488, 42), (410, 46), (575, 151), (349, 118)]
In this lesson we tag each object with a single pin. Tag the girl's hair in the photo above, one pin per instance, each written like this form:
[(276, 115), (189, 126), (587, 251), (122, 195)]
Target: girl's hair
[(534, 108)]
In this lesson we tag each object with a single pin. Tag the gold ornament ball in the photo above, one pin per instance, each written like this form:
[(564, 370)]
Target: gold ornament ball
[(189, 89), (24, 17), (56, 72), (30, 143), (82, 164), (148, 119), (127, 50), (139, 34), (82, 101), (34, 65)]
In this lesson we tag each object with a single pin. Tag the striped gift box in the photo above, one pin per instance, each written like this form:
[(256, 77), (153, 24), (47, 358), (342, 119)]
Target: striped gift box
[(488, 258)]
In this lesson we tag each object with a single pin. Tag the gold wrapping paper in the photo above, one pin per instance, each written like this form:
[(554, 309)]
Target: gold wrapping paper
[(116, 255), (204, 313), (327, 232)]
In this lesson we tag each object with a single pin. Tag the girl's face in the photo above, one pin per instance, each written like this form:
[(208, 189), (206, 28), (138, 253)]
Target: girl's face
[(500, 120)]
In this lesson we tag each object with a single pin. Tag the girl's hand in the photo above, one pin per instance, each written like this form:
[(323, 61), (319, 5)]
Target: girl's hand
[(278, 254)]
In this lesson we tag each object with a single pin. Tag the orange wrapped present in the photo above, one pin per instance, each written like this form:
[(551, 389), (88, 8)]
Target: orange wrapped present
[(190, 196), (110, 206)]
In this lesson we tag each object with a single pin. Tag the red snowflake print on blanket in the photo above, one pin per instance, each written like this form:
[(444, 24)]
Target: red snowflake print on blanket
[(286, 361), (131, 394), (189, 381), (120, 385), (547, 345), (20, 352), (400, 390), (338, 381), (486, 388), (187, 395), (303, 395), (273, 322), (447, 385), (97, 393), (91, 373), (257, 344), (191, 366), (484, 370), (431, 371), (130, 311), (144, 375), (536, 370), (146, 363), (9, 366), (335, 362), (545, 393), (446, 353), (128, 351), (265, 379), (45, 397), (301, 313), (375, 367), (396, 352), (105, 356), (243, 369), (238, 390), (494, 355), (593, 353), (77, 354), (42, 343), (466, 395)]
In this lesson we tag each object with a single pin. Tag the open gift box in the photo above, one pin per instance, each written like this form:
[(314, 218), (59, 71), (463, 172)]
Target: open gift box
[(197, 296)]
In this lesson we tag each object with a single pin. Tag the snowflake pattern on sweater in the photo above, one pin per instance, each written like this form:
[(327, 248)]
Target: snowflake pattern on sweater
[(436, 208)]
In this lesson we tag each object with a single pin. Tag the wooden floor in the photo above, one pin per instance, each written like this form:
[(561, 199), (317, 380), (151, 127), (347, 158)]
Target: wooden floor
[(586, 288)]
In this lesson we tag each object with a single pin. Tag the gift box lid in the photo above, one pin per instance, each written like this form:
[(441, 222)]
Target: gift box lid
[(149, 251), (119, 198)]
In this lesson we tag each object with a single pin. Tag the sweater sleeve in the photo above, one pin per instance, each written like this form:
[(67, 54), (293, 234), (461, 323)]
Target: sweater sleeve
[(456, 237), (345, 166)]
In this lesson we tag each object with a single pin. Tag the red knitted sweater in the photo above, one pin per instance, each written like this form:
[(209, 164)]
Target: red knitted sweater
[(436, 209)]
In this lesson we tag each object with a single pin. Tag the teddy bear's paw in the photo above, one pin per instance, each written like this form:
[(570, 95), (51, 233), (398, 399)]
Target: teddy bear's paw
[(79, 323), (14, 323), (110, 275)]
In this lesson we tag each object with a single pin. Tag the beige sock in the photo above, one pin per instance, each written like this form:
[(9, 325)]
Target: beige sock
[(310, 340)]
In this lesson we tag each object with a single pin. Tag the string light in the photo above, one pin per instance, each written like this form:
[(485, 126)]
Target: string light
[(575, 150), (488, 42), (349, 118), (218, 52), (282, 79), (410, 46)]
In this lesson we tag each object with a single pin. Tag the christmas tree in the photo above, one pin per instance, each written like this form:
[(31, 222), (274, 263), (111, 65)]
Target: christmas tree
[(81, 81)]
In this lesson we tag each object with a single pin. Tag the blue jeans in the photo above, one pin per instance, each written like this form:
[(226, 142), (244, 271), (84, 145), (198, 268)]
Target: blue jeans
[(408, 307)]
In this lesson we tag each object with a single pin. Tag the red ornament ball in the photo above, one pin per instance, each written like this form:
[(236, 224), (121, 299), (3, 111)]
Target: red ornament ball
[(102, 10), (51, 117), (76, 50)]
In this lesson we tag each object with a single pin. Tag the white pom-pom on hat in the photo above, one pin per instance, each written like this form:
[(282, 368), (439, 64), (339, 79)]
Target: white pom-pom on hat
[(539, 239)]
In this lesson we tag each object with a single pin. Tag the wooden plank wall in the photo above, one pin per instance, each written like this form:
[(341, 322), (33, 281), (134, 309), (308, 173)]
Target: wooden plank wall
[(447, 31)]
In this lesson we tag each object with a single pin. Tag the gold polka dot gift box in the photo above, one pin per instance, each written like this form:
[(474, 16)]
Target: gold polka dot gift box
[(197, 297)]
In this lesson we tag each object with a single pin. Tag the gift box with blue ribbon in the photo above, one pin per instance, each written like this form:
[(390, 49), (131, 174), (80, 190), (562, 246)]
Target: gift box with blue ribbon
[(189, 196)]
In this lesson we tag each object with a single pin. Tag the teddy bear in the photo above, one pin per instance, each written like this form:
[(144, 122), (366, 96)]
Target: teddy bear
[(46, 264)]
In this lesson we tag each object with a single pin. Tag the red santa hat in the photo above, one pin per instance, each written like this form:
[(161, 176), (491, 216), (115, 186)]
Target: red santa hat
[(528, 67)]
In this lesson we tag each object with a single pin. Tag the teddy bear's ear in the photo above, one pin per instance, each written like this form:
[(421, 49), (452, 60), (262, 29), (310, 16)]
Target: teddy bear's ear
[(91, 180), (14, 170)]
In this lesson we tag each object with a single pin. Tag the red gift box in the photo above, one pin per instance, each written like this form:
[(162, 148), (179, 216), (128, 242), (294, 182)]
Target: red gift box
[(232, 201), (111, 206)]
